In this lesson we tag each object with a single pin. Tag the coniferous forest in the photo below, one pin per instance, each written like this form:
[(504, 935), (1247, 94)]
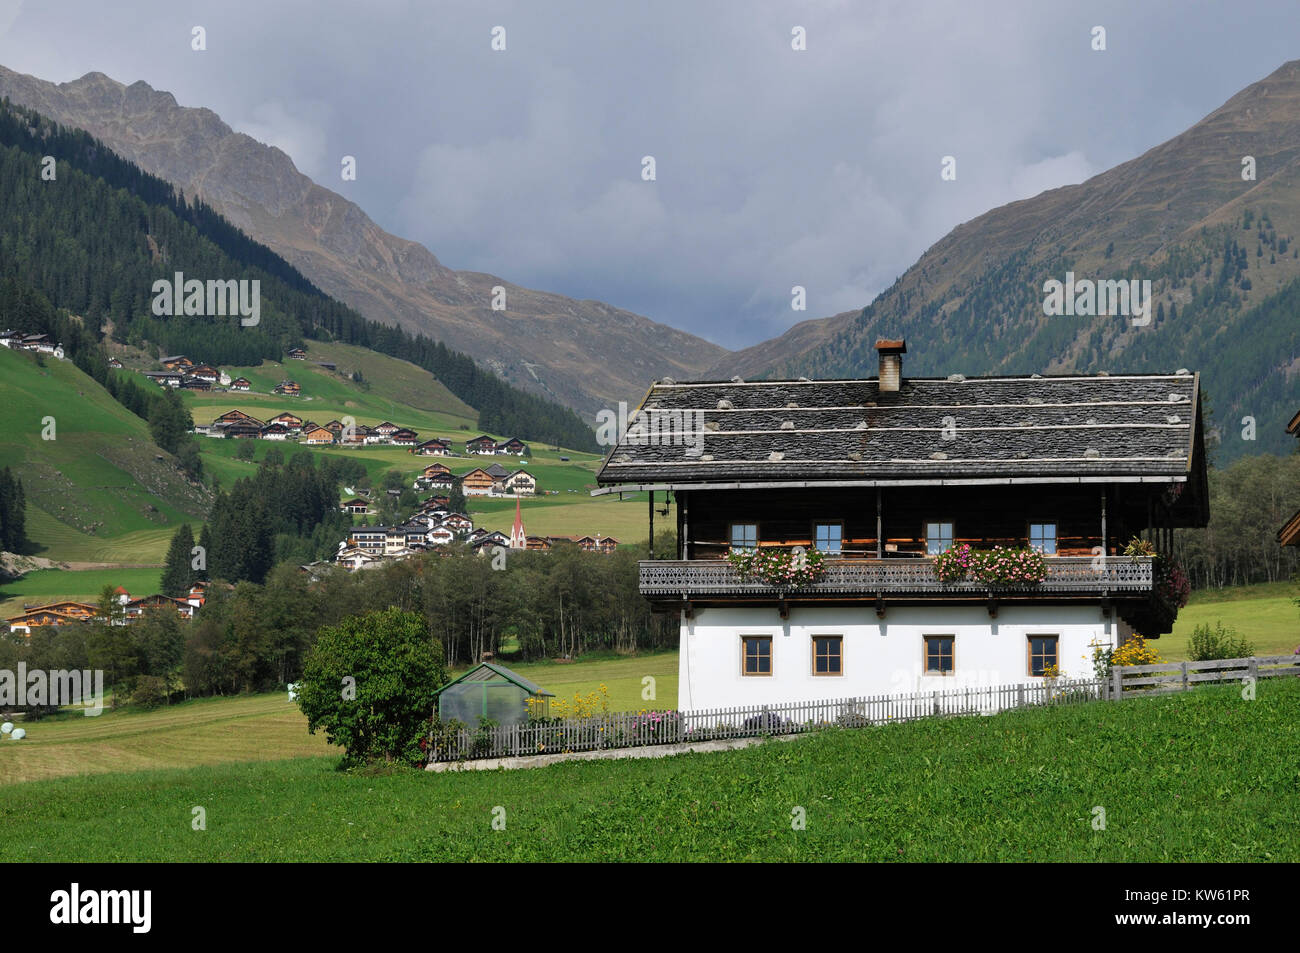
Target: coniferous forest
[(93, 241)]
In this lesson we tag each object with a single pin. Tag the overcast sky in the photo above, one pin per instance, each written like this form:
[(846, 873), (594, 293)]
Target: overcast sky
[(774, 167)]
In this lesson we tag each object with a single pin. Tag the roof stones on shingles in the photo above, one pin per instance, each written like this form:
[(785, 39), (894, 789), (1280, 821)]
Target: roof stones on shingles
[(1139, 425)]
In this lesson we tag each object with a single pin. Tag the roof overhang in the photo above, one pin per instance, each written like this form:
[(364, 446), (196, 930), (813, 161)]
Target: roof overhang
[(1289, 535), (939, 481)]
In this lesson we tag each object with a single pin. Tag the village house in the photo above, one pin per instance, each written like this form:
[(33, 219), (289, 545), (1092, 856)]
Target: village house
[(165, 378), (485, 544), (404, 438), (231, 416), (288, 388), (513, 446), (297, 354), (292, 422), (249, 429), (38, 616), (114, 363), (11, 338), (477, 482), (590, 544), (316, 435), (205, 372), (135, 608), (881, 477), (353, 558), (52, 613), (198, 594), (440, 536), (386, 429), (358, 436), (355, 506), (458, 523), (176, 362), (275, 432), (437, 447), (195, 383), (481, 445), (520, 483), (369, 538), (241, 383)]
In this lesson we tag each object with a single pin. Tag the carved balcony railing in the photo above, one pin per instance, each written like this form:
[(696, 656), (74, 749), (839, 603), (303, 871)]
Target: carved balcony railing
[(1067, 575)]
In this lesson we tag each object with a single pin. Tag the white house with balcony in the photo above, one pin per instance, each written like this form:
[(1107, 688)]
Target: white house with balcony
[(881, 478)]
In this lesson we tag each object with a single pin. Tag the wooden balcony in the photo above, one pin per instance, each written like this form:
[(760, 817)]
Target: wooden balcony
[(1113, 576)]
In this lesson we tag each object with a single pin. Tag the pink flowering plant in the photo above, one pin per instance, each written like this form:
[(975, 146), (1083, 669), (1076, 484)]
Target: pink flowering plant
[(1003, 566), (999, 566), (954, 563), (781, 568)]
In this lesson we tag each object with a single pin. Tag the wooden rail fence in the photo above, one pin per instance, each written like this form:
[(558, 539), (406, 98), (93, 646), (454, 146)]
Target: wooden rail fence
[(1180, 676)]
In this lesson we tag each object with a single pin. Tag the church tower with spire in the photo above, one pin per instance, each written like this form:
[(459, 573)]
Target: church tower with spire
[(518, 540)]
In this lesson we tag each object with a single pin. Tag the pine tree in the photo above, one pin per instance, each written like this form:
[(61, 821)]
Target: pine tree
[(178, 577), (205, 545)]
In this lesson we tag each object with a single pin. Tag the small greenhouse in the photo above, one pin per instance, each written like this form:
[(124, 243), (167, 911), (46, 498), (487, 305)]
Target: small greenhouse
[(491, 691)]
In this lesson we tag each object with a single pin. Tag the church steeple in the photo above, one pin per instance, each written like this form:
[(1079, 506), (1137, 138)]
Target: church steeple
[(517, 538)]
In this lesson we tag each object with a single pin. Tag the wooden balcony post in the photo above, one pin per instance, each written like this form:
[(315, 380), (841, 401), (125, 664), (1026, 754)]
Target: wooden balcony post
[(651, 545), (880, 553), (1105, 542)]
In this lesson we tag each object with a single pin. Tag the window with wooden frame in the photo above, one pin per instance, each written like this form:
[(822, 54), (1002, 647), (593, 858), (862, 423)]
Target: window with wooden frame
[(744, 535), (1042, 653), (938, 537), (1042, 536), (828, 537), (756, 655), (828, 655), (939, 654)]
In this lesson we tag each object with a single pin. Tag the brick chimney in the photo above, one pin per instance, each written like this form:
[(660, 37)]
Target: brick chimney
[(891, 363)]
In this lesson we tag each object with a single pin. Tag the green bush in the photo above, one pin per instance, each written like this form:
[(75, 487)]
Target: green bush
[(1221, 642), (370, 683), (150, 692)]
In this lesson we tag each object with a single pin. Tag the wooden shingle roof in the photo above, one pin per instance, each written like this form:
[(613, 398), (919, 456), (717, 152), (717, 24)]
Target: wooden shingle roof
[(1003, 428)]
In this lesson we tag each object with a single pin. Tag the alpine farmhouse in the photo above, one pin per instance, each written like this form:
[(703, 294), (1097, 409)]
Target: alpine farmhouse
[(880, 477)]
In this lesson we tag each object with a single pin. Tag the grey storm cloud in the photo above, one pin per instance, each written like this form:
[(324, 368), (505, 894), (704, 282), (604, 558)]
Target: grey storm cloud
[(775, 167)]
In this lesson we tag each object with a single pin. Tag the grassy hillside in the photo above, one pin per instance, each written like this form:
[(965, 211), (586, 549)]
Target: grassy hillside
[(1265, 614), (391, 389), (101, 479), (1187, 777), (54, 585)]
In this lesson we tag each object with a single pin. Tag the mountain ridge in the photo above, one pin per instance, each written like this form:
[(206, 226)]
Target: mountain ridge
[(583, 353), (1179, 214)]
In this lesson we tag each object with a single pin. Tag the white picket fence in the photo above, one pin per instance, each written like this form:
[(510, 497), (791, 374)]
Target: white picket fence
[(634, 729)]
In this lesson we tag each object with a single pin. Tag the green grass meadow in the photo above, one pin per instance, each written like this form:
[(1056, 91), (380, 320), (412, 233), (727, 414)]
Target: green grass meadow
[(1265, 614), (53, 585), (1184, 777)]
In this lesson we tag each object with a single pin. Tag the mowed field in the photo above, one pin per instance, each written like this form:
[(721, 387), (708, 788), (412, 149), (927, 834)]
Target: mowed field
[(213, 731), (1199, 776), (1265, 614)]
